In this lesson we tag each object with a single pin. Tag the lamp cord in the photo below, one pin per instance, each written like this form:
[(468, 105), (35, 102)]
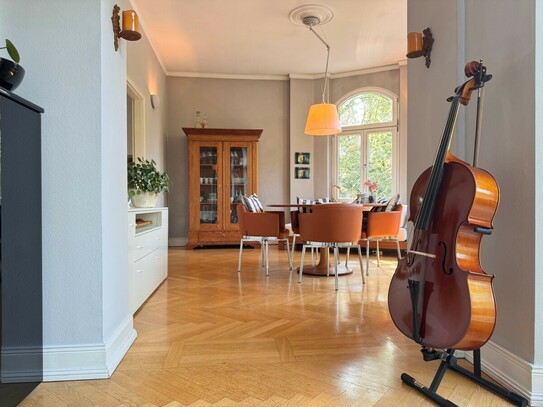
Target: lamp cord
[(327, 60)]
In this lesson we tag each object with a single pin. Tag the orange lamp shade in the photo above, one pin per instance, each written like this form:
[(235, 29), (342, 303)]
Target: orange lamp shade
[(322, 120), (414, 45), (130, 31)]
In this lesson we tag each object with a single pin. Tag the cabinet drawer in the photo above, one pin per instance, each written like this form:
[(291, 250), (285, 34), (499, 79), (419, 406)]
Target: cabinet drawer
[(147, 242), (147, 277), (219, 236)]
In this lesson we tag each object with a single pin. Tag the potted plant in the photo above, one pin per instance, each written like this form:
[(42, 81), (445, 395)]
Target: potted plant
[(145, 182), (11, 73)]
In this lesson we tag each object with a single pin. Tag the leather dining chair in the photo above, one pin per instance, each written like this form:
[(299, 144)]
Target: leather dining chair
[(332, 225), (262, 227), (295, 226), (381, 226)]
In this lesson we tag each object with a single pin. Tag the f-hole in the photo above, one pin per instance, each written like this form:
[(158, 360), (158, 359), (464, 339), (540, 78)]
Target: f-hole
[(135, 126)]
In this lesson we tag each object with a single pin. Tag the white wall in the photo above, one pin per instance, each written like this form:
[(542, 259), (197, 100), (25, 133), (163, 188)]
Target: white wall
[(145, 73), (73, 72), (71, 130)]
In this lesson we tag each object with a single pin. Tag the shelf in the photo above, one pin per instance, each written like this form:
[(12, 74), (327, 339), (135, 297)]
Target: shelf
[(146, 220), (142, 222)]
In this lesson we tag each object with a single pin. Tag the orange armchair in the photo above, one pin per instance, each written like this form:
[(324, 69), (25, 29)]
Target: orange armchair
[(333, 226), (262, 227), (381, 226)]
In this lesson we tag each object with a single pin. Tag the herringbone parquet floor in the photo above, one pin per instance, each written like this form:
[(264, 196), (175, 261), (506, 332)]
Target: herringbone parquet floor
[(212, 337)]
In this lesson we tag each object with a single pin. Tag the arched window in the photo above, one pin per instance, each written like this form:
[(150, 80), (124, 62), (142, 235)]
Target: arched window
[(367, 147)]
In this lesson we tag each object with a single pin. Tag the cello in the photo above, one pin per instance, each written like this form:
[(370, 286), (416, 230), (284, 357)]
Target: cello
[(439, 295)]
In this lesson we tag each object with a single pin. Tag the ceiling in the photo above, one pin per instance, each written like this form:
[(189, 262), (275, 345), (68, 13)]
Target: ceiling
[(257, 37)]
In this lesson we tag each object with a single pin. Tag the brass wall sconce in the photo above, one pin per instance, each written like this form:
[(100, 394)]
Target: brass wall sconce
[(130, 31), (420, 44)]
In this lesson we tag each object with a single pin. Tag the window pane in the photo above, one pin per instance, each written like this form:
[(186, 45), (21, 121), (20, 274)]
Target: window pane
[(380, 162), (349, 165), (365, 108)]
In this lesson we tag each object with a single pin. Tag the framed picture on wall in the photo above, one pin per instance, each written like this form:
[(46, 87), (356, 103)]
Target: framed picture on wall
[(301, 158), (301, 172)]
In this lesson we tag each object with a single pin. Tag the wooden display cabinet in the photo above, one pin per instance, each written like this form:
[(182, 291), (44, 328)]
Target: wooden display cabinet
[(223, 167)]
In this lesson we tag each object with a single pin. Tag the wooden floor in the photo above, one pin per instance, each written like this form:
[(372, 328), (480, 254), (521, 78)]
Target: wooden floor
[(212, 337)]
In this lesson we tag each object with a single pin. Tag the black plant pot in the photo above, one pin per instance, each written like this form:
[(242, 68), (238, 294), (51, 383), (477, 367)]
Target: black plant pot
[(11, 74)]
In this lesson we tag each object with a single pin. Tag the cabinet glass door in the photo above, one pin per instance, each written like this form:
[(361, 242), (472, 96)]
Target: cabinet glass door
[(238, 177), (208, 185)]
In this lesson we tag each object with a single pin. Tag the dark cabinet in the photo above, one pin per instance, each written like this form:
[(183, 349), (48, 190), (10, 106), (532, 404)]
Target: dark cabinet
[(21, 333)]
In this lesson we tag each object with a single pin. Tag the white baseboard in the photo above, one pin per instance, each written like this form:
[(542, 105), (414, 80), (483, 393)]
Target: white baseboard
[(512, 372), (178, 241), (93, 361)]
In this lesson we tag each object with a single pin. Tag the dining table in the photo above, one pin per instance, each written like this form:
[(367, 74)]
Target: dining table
[(324, 268)]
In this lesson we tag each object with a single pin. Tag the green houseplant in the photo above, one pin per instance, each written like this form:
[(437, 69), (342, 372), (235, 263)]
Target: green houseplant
[(145, 182), (11, 73)]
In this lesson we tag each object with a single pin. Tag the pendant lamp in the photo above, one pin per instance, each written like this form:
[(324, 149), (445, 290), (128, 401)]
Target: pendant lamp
[(322, 119)]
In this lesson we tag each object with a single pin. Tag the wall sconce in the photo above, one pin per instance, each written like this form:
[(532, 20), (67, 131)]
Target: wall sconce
[(420, 45), (155, 101), (130, 31)]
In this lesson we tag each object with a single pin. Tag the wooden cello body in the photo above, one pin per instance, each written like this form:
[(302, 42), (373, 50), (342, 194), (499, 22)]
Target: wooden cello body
[(439, 295)]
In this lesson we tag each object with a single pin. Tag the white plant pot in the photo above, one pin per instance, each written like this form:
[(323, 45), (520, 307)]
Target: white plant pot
[(144, 199)]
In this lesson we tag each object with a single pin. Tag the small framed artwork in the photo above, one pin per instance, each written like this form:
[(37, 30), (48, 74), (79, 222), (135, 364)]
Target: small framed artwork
[(301, 158), (301, 172)]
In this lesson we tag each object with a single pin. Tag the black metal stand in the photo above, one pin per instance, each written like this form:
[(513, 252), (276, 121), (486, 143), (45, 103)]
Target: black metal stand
[(448, 361)]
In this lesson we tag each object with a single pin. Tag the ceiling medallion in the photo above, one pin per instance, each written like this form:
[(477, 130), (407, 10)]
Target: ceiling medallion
[(323, 13)]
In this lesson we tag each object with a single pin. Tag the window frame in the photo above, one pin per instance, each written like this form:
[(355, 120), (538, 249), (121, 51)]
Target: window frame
[(363, 130)]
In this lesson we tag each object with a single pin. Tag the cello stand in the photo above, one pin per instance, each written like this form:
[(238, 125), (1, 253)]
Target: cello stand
[(448, 361)]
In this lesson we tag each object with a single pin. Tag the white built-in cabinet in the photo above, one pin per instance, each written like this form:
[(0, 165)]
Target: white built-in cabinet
[(147, 252)]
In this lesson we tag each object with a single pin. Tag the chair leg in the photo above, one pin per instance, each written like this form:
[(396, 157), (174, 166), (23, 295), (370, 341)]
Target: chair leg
[(262, 252), (267, 257), (292, 250), (361, 267), (398, 248), (367, 256), (312, 256), (301, 264), (328, 264), (240, 251), (347, 256), (377, 245), (289, 256), (336, 261)]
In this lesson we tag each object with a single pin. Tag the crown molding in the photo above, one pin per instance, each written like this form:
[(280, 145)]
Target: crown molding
[(216, 75)]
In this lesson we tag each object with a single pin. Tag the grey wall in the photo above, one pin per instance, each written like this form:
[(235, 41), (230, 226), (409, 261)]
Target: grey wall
[(228, 103), (507, 150), (280, 108), (301, 98)]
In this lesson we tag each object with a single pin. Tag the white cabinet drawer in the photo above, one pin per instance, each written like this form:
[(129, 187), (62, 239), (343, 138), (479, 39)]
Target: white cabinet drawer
[(147, 252), (145, 277), (147, 243)]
